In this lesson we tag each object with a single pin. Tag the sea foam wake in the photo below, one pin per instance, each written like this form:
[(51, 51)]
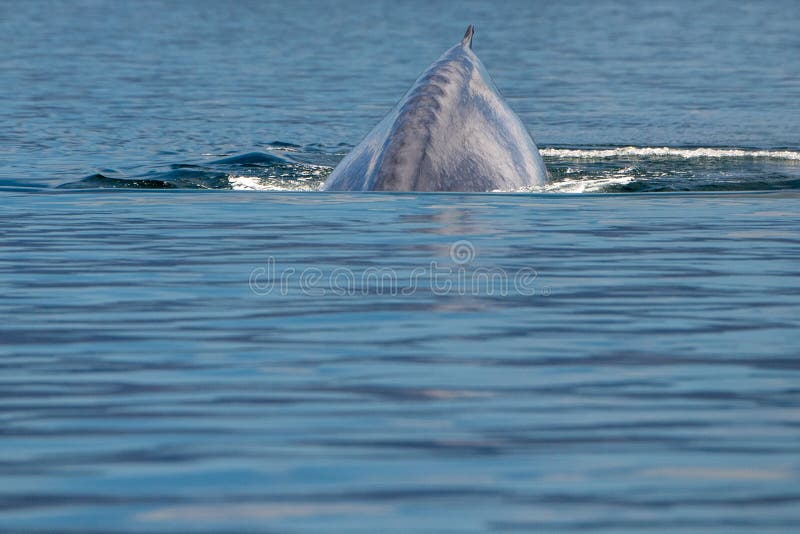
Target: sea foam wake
[(597, 169), (668, 152)]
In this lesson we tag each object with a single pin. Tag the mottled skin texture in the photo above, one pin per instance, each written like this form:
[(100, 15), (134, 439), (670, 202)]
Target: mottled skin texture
[(452, 131)]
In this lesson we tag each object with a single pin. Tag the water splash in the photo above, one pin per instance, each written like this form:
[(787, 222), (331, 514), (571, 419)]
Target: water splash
[(668, 152), (283, 166)]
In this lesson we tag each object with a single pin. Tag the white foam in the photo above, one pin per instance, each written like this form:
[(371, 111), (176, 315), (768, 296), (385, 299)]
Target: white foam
[(256, 183), (582, 185), (667, 152), (303, 177)]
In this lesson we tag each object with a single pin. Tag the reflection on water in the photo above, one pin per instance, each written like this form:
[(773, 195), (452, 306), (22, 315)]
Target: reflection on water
[(647, 382)]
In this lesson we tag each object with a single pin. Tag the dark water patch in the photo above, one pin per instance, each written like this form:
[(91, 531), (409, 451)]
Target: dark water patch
[(665, 524), (668, 169), (251, 159), (283, 145), (253, 171), (98, 181), (776, 182), (22, 501)]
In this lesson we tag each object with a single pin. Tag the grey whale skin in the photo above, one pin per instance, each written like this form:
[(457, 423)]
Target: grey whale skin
[(452, 131)]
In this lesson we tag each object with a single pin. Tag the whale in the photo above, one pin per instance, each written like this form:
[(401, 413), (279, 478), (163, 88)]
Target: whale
[(452, 131)]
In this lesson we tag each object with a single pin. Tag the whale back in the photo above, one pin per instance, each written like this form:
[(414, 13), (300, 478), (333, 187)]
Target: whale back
[(452, 131)]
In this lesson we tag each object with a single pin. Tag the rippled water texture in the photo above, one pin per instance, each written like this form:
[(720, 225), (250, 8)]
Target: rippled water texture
[(154, 94), (176, 359), (159, 376)]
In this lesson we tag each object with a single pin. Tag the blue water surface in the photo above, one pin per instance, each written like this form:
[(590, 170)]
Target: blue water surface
[(276, 359), (163, 90)]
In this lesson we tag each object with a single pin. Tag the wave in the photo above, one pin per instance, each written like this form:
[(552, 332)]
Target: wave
[(176, 179), (596, 169), (584, 184), (668, 152), (258, 183)]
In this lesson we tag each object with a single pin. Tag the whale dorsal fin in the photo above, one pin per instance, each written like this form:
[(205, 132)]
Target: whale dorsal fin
[(467, 40)]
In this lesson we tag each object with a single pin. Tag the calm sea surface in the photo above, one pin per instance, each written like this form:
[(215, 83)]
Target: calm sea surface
[(193, 339)]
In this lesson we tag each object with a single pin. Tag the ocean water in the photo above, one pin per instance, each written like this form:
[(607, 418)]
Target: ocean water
[(194, 339), (673, 96)]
